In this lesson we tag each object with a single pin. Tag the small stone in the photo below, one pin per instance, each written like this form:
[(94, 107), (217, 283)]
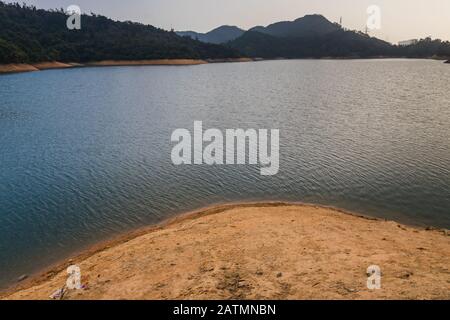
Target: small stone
[(58, 294), (279, 275), (405, 275), (22, 277)]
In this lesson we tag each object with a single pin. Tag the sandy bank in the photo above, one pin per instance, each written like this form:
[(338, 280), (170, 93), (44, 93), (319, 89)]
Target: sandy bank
[(13, 68), (262, 251), (230, 60), (53, 65), (23, 67), (160, 62), (17, 67)]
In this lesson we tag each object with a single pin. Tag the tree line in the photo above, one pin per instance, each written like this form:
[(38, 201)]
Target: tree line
[(28, 34)]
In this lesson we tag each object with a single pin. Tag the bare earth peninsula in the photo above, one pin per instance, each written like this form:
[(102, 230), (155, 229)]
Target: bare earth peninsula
[(260, 251)]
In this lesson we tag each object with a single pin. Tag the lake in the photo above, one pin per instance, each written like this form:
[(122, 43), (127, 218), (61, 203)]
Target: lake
[(86, 153)]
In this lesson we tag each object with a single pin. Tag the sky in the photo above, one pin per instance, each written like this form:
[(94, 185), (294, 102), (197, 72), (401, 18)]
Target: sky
[(400, 19)]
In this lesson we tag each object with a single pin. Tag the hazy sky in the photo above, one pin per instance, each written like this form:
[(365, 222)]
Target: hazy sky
[(401, 19)]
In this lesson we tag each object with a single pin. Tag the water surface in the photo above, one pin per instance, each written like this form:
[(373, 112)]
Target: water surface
[(85, 153)]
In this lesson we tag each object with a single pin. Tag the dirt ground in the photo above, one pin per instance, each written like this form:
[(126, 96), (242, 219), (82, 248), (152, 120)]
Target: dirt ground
[(262, 251)]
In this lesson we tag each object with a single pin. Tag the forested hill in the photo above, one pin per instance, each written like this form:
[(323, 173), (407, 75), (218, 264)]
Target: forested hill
[(219, 35), (314, 36), (29, 35)]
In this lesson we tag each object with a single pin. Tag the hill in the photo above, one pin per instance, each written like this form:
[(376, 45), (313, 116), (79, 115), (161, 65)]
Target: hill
[(217, 36), (313, 36), (336, 44), (28, 34), (426, 48), (308, 26)]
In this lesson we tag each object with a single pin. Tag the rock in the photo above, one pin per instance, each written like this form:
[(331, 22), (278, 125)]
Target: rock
[(448, 61), (279, 275), (350, 290), (405, 275), (58, 294), (22, 277)]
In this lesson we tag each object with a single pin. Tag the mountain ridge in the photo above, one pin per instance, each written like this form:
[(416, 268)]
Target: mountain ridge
[(309, 25), (314, 36), (218, 35), (28, 35)]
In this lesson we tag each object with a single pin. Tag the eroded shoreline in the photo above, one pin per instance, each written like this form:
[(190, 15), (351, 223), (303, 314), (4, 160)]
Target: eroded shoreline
[(207, 253), (40, 66)]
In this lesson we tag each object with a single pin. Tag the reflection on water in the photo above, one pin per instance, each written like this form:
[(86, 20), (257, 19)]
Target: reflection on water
[(85, 153)]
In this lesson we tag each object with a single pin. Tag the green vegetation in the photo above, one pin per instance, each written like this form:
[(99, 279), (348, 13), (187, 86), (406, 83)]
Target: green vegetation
[(313, 36), (29, 35), (219, 35), (337, 44), (426, 48)]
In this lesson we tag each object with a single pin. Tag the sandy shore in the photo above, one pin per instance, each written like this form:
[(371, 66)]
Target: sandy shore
[(261, 251), (231, 60), (160, 62), (17, 67), (22, 67)]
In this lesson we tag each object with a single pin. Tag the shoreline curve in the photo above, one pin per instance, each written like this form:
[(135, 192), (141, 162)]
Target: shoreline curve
[(48, 65), (48, 274)]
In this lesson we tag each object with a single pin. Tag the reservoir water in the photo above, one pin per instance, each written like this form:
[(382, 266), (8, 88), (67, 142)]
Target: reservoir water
[(85, 153)]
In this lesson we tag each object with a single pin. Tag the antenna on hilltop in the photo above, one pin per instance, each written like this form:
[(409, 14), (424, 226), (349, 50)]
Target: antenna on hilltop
[(340, 22)]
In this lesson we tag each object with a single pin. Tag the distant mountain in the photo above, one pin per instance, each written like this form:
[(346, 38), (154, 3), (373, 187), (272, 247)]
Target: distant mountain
[(426, 48), (308, 26), (219, 35), (337, 44), (314, 36), (28, 34)]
